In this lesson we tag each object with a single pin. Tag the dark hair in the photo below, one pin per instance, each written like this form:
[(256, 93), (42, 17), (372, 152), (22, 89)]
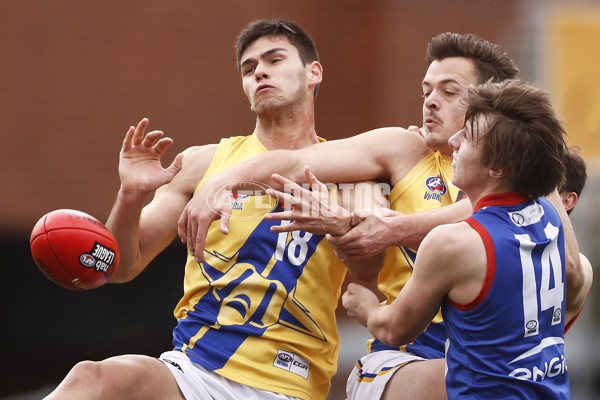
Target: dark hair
[(491, 61), (523, 134), (278, 28), (575, 174)]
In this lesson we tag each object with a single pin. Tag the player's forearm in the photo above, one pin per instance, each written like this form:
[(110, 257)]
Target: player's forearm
[(123, 222), (254, 174), (397, 324), (367, 269), (410, 229), (381, 325), (575, 273)]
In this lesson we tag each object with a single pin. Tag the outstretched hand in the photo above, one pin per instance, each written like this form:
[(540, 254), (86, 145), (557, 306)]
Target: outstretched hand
[(359, 302), (212, 202), (140, 168), (312, 210)]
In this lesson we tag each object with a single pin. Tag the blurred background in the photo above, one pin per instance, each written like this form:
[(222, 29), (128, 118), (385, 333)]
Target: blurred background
[(74, 75)]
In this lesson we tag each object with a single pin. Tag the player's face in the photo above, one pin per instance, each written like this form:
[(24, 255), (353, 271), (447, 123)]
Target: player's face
[(273, 75), (443, 111), (468, 173)]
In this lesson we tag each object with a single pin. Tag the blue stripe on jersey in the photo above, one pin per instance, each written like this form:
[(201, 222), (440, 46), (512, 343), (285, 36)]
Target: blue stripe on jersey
[(229, 284), (409, 255)]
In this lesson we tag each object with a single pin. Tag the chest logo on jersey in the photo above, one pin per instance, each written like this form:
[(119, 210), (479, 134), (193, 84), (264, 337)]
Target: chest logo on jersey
[(292, 362), (237, 200), (436, 188)]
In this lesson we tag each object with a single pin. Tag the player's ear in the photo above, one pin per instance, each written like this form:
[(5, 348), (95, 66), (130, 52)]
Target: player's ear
[(569, 200), (315, 73), (497, 172)]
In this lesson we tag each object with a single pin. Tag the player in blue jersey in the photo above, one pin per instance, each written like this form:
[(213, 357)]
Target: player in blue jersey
[(257, 316), (499, 276)]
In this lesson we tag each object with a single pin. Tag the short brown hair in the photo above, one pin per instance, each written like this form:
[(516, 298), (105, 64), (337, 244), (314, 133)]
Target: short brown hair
[(491, 61), (523, 135)]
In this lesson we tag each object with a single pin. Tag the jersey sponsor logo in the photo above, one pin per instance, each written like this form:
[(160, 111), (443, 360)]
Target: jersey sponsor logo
[(555, 366), (528, 215), (436, 188), (292, 362)]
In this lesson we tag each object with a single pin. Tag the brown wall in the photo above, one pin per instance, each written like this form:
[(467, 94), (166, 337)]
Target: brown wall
[(76, 74)]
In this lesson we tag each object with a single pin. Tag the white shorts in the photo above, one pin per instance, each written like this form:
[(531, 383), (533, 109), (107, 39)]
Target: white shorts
[(372, 372), (199, 383)]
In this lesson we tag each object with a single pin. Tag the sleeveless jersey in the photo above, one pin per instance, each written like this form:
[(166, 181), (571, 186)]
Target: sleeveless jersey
[(260, 309), (509, 341), (426, 187)]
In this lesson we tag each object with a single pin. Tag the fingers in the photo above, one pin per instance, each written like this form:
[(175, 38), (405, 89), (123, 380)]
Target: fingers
[(175, 166), (138, 134), (287, 215), (315, 184), (128, 139), (182, 226), (190, 231), (293, 187), (224, 223), (353, 287), (286, 199), (152, 139), (284, 227), (200, 240)]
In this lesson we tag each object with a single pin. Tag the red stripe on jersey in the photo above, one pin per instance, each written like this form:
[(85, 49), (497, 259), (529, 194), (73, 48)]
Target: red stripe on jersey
[(491, 268)]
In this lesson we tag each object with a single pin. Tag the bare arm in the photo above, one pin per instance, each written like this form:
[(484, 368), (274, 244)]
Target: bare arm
[(575, 271), (367, 156), (143, 232), (383, 229), (579, 298), (441, 269)]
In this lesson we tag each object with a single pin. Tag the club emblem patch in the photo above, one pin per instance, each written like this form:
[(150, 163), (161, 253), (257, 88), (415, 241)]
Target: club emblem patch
[(436, 188)]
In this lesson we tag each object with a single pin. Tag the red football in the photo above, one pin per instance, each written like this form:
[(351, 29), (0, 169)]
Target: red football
[(74, 249)]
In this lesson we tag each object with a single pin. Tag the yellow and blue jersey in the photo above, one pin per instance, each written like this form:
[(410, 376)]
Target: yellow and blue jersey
[(426, 187), (260, 310)]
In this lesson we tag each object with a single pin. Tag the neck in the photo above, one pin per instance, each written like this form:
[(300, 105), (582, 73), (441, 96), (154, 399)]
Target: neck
[(493, 187), (291, 129)]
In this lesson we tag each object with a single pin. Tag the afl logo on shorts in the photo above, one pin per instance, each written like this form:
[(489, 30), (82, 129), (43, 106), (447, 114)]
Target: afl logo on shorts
[(284, 357), (436, 188)]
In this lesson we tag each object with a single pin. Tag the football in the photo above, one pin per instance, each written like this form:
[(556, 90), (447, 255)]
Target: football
[(74, 249)]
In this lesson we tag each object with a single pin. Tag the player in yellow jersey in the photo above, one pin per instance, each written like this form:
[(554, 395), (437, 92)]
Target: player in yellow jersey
[(418, 169), (256, 319)]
